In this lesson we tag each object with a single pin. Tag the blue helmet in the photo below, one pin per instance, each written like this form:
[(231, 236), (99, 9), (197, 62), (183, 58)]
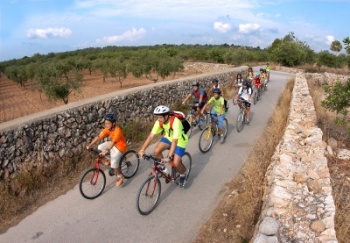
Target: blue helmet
[(217, 90), (110, 117)]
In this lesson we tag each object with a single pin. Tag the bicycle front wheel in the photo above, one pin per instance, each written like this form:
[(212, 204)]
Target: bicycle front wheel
[(148, 195), (129, 163), (255, 97), (206, 140), (240, 121), (92, 183), (203, 121)]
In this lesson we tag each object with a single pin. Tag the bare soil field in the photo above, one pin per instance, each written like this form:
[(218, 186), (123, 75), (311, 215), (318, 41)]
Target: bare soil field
[(17, 101)]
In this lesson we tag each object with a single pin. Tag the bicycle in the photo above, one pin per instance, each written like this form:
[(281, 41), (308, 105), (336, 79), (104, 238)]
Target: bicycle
[(242, 116), (93, 180), (149, 191), (191, 118), (256, 93), (207, 136)]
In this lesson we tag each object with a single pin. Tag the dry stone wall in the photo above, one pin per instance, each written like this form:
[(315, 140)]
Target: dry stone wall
[(298, 202), (63, 132)]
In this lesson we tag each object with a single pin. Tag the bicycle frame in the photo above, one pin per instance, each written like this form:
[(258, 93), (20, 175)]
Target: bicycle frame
[(158, 173)]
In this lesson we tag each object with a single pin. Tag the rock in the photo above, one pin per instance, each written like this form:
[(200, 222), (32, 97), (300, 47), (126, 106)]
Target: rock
[(299, 178), (343, 154), (332, 143), (314, 186), (318, 226), (330, 150), (269, 226)]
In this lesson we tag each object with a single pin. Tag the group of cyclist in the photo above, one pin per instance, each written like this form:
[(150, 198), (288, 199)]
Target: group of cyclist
[(175, 140)]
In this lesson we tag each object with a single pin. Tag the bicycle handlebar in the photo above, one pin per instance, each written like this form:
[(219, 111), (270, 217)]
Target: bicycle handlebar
[(156, 160), (94, 151)]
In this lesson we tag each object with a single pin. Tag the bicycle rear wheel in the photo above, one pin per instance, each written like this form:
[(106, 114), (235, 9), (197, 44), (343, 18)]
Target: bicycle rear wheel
[(92, 183), (129, 163), (148, 195), (240, 121), (255, 98), (225, 128), (187, 162), (206, 140)]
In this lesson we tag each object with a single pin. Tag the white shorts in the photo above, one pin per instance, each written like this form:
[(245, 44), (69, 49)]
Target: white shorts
[(115, 153)]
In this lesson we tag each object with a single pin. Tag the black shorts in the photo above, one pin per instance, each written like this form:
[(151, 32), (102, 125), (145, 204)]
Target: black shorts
[(246, 103), (200, 106)]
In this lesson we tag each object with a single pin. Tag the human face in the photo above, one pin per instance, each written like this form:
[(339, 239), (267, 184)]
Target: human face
[(162, 119), (195, 88), (216, 96), (108, 124)]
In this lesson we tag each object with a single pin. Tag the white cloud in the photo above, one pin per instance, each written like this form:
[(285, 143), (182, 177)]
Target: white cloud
[(330, 39), (248, 28), (222, 27), (49, 33), (129, 35)]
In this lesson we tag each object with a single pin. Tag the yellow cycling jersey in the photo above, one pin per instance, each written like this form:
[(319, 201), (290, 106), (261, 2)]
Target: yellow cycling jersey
[(176, 132)]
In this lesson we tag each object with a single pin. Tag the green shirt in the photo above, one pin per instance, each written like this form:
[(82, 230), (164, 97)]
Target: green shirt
[(217, 104), (177, 132)]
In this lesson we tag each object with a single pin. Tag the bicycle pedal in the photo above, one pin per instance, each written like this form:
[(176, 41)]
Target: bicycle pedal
[(167, 181)]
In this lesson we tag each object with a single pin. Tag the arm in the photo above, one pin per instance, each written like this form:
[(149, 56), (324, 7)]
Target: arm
[(95, 140), (185, 100), (145, 145)]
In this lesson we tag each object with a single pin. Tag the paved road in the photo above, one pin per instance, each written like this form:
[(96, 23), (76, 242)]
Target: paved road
[(113, 216)]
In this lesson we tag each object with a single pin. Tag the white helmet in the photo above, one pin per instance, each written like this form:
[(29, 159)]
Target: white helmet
[(161, 110)]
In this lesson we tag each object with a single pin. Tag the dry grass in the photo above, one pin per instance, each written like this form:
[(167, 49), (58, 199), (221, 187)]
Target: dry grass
[(339, 169), (235, 217), (308, 68)]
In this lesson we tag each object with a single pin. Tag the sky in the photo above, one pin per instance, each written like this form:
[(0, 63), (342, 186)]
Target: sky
[(29, 27)]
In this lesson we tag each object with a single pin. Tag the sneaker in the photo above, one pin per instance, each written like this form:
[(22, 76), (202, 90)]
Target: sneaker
[(222, 138), (182, 181), (120, 180), (246, 121)]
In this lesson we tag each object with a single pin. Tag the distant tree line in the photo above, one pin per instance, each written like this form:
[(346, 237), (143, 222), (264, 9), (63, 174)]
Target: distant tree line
[(58, 74)]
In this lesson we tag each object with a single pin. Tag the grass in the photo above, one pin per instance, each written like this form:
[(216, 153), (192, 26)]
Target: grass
[(339, 169), (235, 217)]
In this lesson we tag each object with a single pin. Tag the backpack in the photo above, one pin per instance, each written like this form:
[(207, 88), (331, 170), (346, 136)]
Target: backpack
[(181, 116)]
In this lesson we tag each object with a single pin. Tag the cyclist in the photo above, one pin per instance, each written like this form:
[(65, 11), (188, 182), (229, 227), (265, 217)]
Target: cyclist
[(200, 98), (245, 94), (215, 82), (263, 76), (267, 68), (256, 83), (116, 146), (250, 73), (217, 102), (239, 81), (174, 139)]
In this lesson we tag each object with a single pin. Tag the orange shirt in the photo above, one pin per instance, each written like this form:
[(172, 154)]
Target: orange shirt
[(116, 136)]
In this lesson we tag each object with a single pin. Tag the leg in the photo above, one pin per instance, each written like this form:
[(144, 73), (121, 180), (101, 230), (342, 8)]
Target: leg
[(162, 145), (115, 157)]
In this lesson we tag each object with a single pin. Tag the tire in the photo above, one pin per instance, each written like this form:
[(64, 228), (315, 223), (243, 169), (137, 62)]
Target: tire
[(148, 195), (187, 162), (92, 183), (189, 118), (240, 121), (225, 127), (129, 163), (233, 98), (265, 87), (206, 140), (203, 123), (255, 98)]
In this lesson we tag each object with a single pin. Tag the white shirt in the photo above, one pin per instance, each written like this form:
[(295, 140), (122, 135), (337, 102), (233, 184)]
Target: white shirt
[(244, 93)]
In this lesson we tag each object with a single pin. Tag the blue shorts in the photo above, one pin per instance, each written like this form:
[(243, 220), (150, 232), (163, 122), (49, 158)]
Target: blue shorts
[(178, 150)]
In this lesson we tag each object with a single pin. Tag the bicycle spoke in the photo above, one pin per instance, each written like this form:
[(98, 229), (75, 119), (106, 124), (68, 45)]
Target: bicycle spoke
[(92, 183)]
